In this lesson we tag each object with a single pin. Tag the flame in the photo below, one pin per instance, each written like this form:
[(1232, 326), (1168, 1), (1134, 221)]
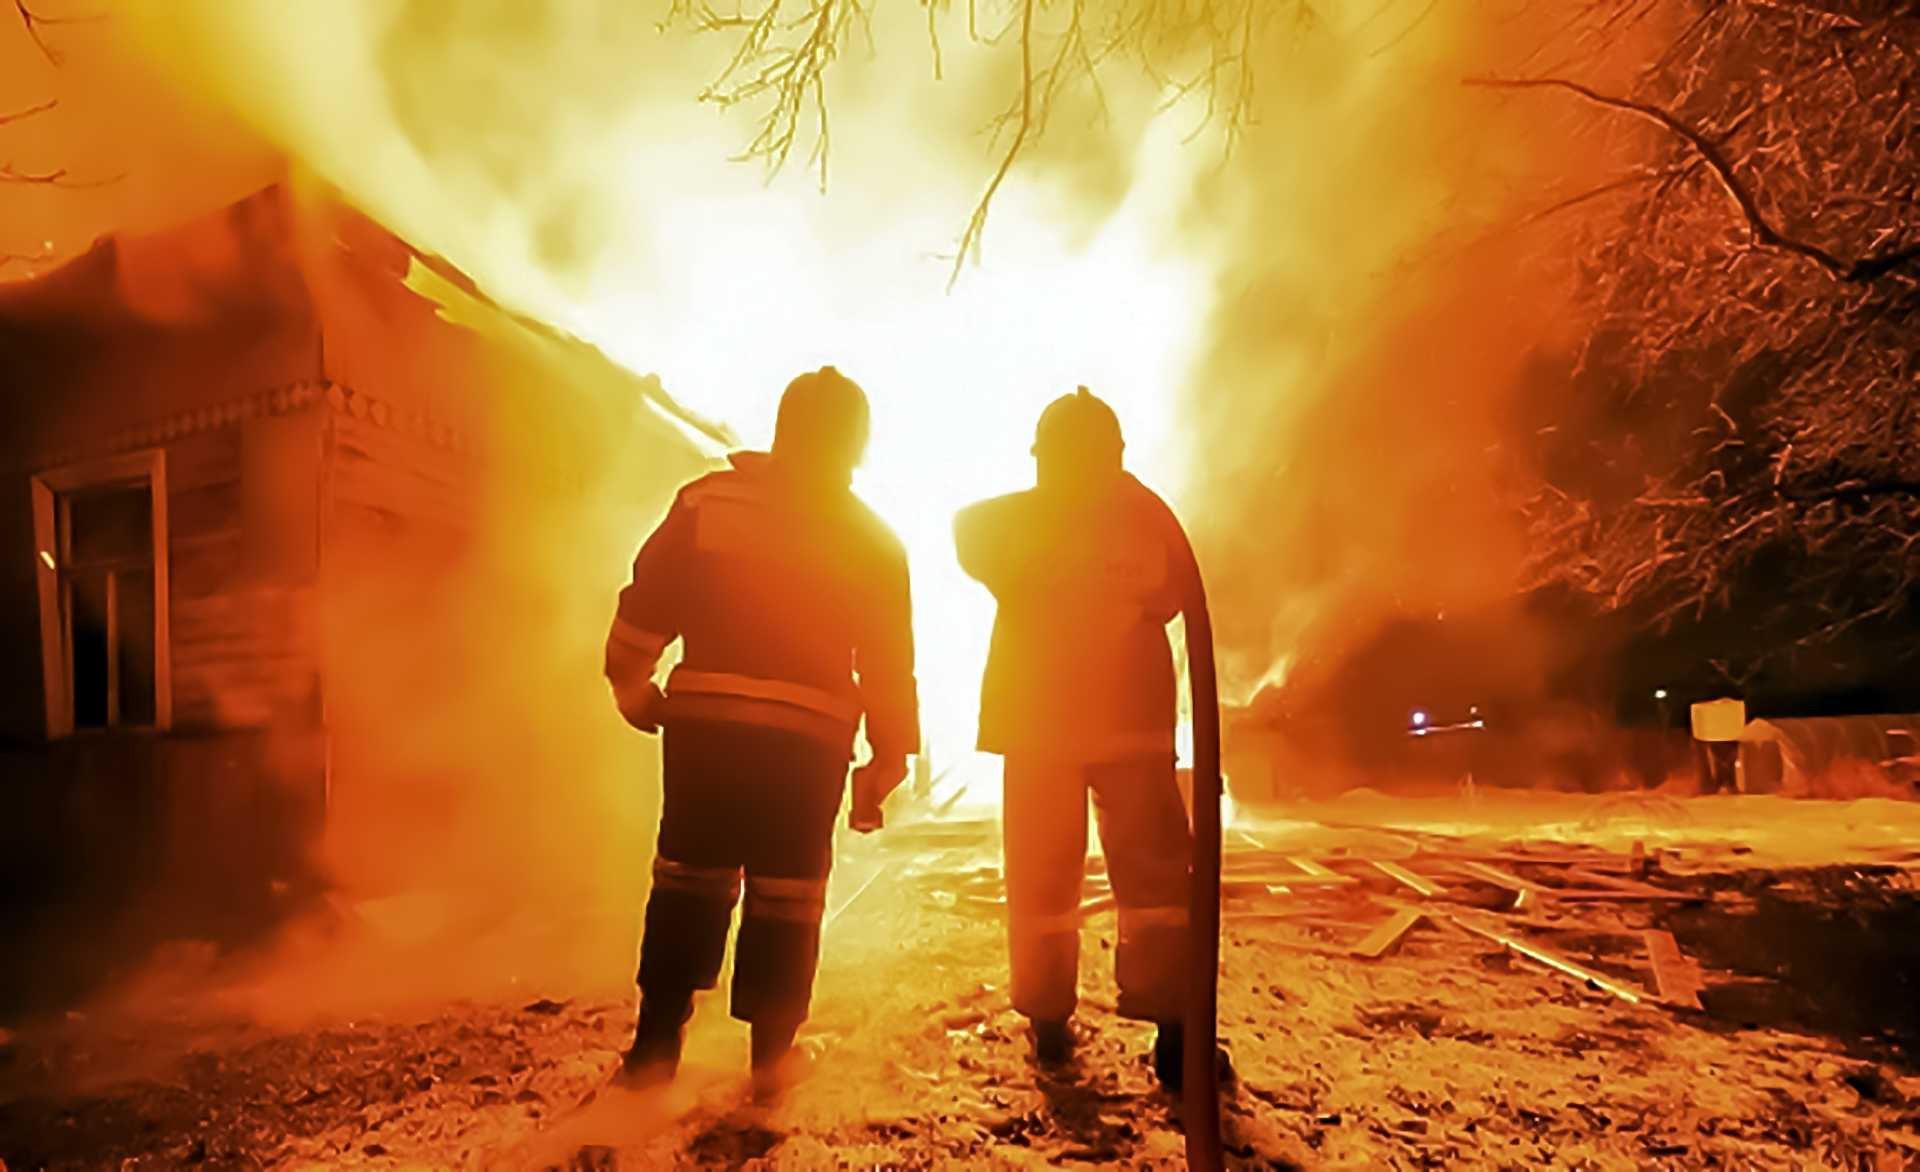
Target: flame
[(726, 285), (957, 380), (1293, 368)]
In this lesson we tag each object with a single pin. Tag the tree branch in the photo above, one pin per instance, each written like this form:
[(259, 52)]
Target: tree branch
[(977, 224), (30, 111), (1856, 490), (1760, 230), (34, 22), (58, 177)]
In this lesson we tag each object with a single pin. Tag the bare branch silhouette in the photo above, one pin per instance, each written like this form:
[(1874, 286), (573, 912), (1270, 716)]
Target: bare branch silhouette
[(1738, 432), (34, 22), (977, 224), (786, 48), (1760, 229), (28, 112)]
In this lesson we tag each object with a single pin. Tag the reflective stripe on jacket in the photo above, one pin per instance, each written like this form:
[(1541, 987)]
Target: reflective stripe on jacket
[(792, 601)]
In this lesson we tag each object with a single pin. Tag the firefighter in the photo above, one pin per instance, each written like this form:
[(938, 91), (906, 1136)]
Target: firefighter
[(1088, 568), (791, 599)]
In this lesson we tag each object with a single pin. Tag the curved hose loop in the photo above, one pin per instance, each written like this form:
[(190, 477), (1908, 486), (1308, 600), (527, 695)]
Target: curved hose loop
[(1201, 1098)]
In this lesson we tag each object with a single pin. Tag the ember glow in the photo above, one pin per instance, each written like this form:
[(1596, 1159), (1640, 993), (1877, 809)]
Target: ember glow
[(957, 380), (725, 284), (344, 415), (1249, 313)]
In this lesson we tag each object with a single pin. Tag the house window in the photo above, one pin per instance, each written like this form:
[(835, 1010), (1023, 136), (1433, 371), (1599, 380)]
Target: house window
[(101, 535)]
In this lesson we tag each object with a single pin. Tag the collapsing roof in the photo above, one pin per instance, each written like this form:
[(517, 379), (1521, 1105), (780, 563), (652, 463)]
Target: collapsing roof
[(276, 290)]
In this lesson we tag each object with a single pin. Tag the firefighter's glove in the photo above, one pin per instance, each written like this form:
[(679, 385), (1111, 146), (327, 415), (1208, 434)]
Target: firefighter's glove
[(872, 784), (642, 707)]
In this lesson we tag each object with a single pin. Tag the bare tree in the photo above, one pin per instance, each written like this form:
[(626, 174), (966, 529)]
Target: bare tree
[(1746, 415), (35, 26), (9, 173), (785, 49)]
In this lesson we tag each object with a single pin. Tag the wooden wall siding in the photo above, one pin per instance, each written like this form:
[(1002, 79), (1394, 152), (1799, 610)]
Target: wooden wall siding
[(398, 477), (208, 511), (243, 643), (383, 489), (206, 566), (204, 538), (204, 459), (245, 658)]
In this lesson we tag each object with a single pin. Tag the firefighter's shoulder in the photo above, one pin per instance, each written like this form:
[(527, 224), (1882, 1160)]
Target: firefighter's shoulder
[(878, 536), (720, 484), (994, 512), (1152, 509)]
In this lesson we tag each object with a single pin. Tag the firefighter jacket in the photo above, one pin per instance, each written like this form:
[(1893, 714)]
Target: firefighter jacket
[(792, 602), (1079, 668)]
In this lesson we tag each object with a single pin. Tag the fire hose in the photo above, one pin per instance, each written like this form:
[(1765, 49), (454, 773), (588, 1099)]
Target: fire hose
[(1200, 1068)]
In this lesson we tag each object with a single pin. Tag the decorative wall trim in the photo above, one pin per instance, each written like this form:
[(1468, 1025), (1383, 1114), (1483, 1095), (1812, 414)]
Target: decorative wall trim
[(280, 400)]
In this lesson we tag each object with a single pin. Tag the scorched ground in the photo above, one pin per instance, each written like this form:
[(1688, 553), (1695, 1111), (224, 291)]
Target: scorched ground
[(1794, 921)]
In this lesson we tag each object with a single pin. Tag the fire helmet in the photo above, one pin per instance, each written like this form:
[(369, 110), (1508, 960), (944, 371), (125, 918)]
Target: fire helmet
[(823, 419), (1078, 427)]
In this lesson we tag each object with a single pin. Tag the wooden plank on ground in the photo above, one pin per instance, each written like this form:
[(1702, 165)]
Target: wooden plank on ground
[(1600, 860), (1401, 875), (1627, 886), (1388, 935), (1559, 964), (1615, 895), (1675, 974), (1310, 866), (1296, 880), (1496, 876)]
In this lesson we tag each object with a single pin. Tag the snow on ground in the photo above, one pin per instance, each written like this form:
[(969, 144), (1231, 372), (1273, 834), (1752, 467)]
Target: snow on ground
[(1447, 1053)]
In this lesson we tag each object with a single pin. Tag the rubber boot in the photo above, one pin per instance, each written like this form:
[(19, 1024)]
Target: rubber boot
[(1169, 1057), (1052, 1041), (776, 1064), (654, 1057)]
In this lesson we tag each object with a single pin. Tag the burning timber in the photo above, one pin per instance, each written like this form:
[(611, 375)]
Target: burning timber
[(1442, 986)]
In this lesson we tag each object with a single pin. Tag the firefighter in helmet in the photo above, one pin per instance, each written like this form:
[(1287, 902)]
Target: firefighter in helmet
[(1088, 567), (791, 598)]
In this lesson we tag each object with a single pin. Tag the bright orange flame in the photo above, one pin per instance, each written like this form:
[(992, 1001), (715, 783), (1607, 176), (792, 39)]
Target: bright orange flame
[(957, 380), (728, 286), (560, 161)]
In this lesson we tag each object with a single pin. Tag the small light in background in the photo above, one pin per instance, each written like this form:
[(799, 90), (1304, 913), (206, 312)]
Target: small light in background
[(1419, 720), (1659, 693), (47, 558)]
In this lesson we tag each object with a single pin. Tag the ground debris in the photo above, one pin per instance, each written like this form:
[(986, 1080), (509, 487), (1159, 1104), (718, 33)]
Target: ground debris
[(545, 1007), (1446, 1052)]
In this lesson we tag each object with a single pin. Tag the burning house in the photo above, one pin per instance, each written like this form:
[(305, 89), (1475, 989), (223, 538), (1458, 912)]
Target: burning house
[(248, 461)]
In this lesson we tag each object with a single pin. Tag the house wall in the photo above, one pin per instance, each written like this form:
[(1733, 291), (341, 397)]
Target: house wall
[(178, 342), (397, 524), (199, 348), (243, 514), (109, 841)]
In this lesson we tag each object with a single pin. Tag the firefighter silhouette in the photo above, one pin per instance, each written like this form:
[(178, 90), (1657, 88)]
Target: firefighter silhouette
[(1088, 567), (791, 598)]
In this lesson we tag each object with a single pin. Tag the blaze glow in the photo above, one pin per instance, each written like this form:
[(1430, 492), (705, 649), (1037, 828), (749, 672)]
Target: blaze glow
[(957, 379), (1293, 367), (629, 226)]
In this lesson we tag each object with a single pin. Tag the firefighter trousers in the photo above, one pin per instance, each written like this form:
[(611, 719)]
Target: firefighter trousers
[(1143, 833), (742, 801)]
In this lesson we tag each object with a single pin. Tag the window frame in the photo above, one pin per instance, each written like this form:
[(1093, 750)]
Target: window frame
[(147, 467)]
